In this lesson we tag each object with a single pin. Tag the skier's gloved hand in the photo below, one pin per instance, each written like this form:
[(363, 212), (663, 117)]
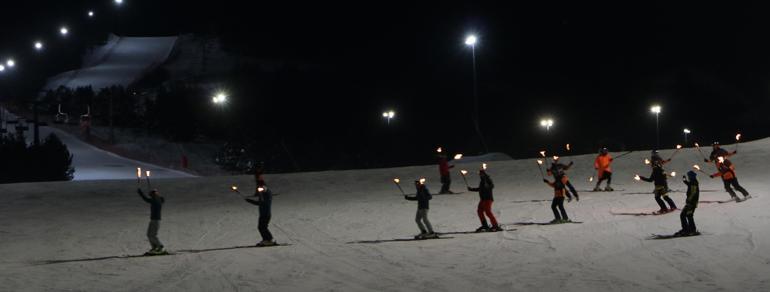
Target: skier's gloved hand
[(571, 163), (406, 197), (712, 176), (705, 160), (545, 180), (469, 188), (736, 151), (139, 191)]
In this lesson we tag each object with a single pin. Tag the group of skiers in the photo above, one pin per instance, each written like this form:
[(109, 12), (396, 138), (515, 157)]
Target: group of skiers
[(263, 198), (560, 184)]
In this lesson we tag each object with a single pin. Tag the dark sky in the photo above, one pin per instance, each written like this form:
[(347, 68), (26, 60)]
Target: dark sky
[(595, 68)]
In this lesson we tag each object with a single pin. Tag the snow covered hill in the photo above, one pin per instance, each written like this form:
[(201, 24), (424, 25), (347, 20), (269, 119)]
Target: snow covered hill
[(62, 236)]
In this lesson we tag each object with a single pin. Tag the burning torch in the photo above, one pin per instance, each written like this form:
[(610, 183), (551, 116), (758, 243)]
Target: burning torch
[(701, 152), (737, 141), (678, 147), (696, 167), (540, 166), (398, 184), (463, 173), (138, 175), (148, 180), (458, 156)]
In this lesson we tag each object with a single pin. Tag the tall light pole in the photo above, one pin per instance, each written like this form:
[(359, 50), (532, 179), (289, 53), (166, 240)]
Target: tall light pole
[(686, 132), (470, 41), (388, 115), (655, 109)]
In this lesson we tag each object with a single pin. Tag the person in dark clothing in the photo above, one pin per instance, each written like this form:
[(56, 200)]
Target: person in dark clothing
[(726, 170), (716, 152), (557, 205), (656, 159), (423, 198), (156, 205), (443, 169), (264, 201), (485, 202), (559, 170), (693, 194), (659, 178)]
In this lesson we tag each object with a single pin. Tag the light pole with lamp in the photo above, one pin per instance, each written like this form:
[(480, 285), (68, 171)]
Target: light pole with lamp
[(655, 109), (471, 41)]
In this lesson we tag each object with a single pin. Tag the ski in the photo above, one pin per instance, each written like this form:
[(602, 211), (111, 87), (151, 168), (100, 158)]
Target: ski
[(654, 213), (398, 240), (545, 223), (670, 236), (449, 194), (475, 232)]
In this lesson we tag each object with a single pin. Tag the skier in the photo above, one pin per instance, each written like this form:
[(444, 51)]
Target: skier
[(726, 170), (443, 169), (602, 165), (560, 215), (693, 192), (423, 198), (717, 152), (485, 203), (264, 201), (558, 170), (660, 179), (156, 205), (655, 158)]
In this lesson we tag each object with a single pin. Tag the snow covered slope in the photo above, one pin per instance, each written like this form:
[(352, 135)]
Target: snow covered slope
[(325, 216), (122, 61)]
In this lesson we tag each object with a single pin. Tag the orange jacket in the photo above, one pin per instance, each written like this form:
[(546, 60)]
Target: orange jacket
[(602, 163), (725, 170)]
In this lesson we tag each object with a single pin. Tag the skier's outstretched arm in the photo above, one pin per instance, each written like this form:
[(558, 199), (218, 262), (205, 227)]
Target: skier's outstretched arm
[(252, 201), (141, 194), (410, 198)]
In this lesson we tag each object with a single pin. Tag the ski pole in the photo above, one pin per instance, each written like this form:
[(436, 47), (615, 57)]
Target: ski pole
[(397, 181), (463, 173), (624, 154), (540, 166), (701, 152)]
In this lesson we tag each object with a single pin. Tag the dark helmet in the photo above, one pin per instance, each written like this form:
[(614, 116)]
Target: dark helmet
[(604, 150)]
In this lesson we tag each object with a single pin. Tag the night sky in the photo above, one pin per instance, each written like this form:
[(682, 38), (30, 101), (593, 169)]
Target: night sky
[(595, 69)]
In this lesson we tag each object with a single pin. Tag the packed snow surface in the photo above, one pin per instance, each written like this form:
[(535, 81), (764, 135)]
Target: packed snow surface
[(66, 235), (121, 61)]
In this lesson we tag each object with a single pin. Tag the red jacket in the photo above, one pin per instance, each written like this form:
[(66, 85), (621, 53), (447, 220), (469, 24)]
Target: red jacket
[(725, 170), (443, 166)]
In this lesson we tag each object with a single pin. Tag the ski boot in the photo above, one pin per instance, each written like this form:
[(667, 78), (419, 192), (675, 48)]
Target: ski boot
[(661, 211), (565, 221), (420, 236), (483, 228), (597, 189), (609, 189), (496, 228), (681, 233), (430, 235), (555, 221), (266, 243)]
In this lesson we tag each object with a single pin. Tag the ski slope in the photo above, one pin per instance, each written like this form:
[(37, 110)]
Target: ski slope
[(121, 61), (326, 215)]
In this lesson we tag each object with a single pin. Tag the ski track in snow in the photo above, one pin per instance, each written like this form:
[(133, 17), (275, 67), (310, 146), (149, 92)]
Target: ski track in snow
[(322, 215)]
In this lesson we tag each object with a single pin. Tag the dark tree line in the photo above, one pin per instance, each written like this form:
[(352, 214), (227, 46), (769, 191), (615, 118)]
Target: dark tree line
[(49, 161)]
